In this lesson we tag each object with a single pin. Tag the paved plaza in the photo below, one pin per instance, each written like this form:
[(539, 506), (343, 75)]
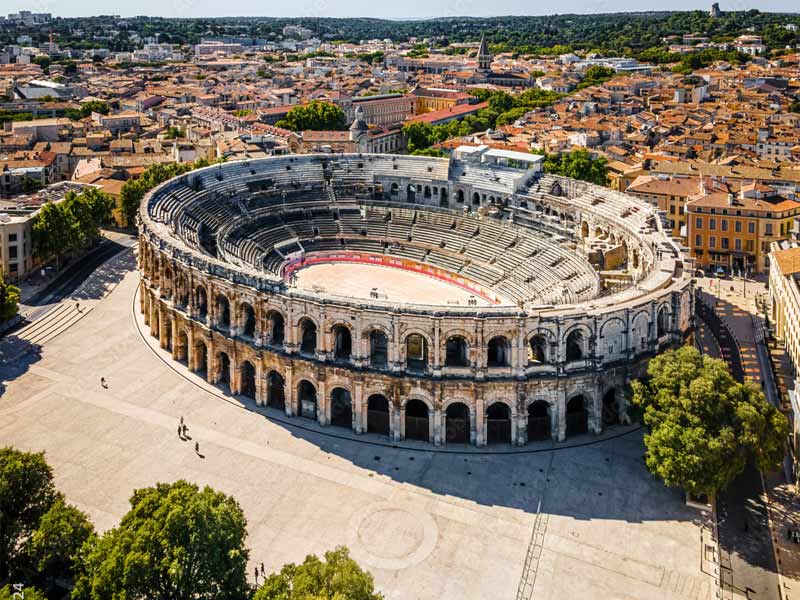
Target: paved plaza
[(580, 522)]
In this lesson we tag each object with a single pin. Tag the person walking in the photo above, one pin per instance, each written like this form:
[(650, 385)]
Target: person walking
[(185, 428), (180, 434), (103, 382), (197, 447)]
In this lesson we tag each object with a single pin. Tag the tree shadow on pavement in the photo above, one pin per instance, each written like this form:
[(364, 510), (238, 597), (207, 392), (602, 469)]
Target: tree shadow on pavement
[(16, 357)]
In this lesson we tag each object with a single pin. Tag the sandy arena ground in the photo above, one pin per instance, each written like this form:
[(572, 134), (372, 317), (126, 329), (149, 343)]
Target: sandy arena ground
[(357, 280), (583, 522)]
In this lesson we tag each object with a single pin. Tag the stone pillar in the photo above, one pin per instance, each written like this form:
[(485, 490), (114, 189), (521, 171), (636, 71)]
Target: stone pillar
[(480, 420), (437, 350), (289, 394), (323, 404), (359, 412), (560, 417), (397, 426), (174, 338), (437, 426)]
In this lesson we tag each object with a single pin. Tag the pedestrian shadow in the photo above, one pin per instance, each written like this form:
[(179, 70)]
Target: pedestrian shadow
[(16, 357)]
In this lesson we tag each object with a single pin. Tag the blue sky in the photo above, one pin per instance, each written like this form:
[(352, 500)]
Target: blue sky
[(370, 8)]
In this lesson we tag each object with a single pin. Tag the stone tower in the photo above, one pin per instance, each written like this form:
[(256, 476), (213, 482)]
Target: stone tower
[(484, 57)]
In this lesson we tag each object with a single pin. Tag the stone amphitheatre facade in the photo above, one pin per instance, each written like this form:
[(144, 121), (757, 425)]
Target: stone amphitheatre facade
[(572, 288)]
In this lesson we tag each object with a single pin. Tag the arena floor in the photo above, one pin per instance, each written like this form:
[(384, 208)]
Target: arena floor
[(584, 522), (355, 280)]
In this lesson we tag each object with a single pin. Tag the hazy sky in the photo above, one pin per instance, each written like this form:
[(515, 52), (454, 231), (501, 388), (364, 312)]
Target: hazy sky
[(403, 9)]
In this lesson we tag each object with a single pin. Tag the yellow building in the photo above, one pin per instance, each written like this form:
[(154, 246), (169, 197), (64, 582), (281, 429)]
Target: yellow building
[(669, 194), (734, 231)]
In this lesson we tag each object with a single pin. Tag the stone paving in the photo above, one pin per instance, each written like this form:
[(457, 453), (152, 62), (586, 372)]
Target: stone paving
[(427, 524)]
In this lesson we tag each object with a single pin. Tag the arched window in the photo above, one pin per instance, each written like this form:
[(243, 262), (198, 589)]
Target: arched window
[(457, 427), (417, 420), (378, 349), (341, 408), (498, 424), (342, 343), (575, 346), (663, 321), (378, 414), (476, 198), (498, 352), (308, 337), (248, 320), (307, 397), (223, 312), (276, 327), (416, 352), (537, 349), (276, 393), (460, 196), (202, 302), (248, 380), (456, 354)]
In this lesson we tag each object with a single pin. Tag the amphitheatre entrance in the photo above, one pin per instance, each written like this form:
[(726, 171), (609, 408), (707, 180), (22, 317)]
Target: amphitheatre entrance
[(372, 282)]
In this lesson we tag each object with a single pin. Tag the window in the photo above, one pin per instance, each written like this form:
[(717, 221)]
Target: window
[(737, 226), (737, 244), (751, 227), (749, 245), (698, 240), (12, 237), (12, 252), (768, 229), (698, 222), (724, 243), (712, 224), (712, 242), (724, 224)]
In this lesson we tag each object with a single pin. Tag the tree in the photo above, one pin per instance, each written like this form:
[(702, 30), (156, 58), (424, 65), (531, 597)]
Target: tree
[(338, 577), (705, 426), (317, 115), (418, 135), (54, 232), (176, 541), (54, 547), (26, 593), (578, 164), (9, 299), (26, 493)]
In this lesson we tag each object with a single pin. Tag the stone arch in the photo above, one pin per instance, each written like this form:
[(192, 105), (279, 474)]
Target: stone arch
[(223, 310), (416, 347), (426, 192), (181, 290), (342, 343), (663, 320), (538, 421), (200, 356), (411, 193), (498, 352), (611, 410), (498, 423), (457, 423), (308, 336), (223, 363), (456, 351), (276, 390), (575, 344), (247, 379), (460, 196), (201, 306), (577, 414), (341, 408), (640, 330), (247, 318), (417, 419), (277, 328), (181, 351), (539, 344), (378, 348), (612, 338), (378, 414), (307, 399), (476, 198)]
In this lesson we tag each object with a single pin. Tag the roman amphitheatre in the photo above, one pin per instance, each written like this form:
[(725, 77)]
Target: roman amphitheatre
[(427, 360)]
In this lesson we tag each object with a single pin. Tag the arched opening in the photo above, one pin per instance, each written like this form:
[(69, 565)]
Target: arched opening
[(247, 317), (202, 302), (411, 193), (416, 420), (663, 321), (247, 380), (416, 352), (223, 312), (427, 192), (276, 392), (166, 284), (378, 349), (168, 335), (223, 369), (584, 229), (182, 347), (181, 292), (307, 398), (443, 203), (378, 414), (308, 336), (574, 346), (456, 354), (635, 259), (394, 189), (537, 349), (341, 408), (577, 416), (610, 408), (538, 421), (498, 424), (460, 196), (155, 324), (476, 198), (457, 428), (200, 358), (342, 343), (276, 328), (499, 352)]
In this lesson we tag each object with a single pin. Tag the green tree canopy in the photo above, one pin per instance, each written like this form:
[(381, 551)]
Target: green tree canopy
[(705, 426), (55, 545), (317, 115), (338, 577), (176, 541), (578, 164), (419, 135), (9, 299), (28, 593), (26, 493)]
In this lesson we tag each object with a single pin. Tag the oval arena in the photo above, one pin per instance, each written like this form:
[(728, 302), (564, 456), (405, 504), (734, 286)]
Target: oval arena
[(463, 300)]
